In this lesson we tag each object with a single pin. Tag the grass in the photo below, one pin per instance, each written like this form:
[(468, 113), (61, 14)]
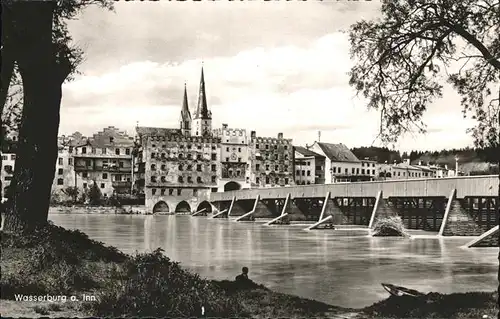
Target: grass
[(56, 260)]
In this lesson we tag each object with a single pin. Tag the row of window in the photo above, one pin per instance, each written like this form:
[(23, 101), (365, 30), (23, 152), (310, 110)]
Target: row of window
[(188, 146), (189, 167), (258, 146), (303, 173), (171, 191), (353, 171), (277, 180), (6, 157), (303, 163), (180, 179), (60, 161), (213, 157), (104, 151), (121, 164), (367, 164), (276, 167)]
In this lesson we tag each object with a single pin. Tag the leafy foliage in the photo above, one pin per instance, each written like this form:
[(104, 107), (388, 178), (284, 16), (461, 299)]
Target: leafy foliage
[(95, 194), (403, 58), (389, 226)]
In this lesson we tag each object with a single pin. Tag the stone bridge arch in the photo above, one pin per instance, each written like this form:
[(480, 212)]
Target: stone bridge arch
[(183, 207), (161, 207), (232, 186), (205, 205)]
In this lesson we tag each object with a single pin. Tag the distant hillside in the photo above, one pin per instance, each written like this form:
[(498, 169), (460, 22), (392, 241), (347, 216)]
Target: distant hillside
[(470, 160)]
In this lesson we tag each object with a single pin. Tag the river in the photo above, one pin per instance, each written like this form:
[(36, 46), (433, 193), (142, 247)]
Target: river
[(341, 267)]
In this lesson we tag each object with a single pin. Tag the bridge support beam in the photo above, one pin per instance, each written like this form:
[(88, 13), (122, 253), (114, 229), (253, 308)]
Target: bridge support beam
[(321, 222), (247, 215), (219, 214), (456, 220), (381, 209), (283, 213), (199, 212), (488, 239)]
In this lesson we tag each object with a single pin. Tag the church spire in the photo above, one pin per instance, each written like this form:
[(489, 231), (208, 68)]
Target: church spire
[(185, 118), (202, 111)]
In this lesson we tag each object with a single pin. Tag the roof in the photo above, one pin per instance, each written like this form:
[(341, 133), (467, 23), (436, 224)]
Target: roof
[(338, 152), (304, 151), (407, 166), (157, 131), (202, 111), (108, 137)]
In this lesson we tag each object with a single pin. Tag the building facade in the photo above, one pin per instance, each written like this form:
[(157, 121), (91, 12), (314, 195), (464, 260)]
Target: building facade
[(105, 159), (341, 165), (175, 169), (271, 161), (309, 166), (234, 158)]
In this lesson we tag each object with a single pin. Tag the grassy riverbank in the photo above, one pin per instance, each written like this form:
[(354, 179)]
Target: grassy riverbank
[(56, 261)]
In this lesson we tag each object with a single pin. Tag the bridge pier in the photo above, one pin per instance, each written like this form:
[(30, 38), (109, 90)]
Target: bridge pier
[(382, 209), (248, 216)]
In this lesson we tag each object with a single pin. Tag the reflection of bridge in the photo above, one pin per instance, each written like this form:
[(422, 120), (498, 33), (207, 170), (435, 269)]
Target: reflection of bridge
[(470, 205)]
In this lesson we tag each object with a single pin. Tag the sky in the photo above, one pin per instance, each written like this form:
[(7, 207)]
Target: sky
[(269, 67)]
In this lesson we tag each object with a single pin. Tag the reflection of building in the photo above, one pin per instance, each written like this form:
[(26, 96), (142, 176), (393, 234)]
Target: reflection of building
[(342, 165), (271, 161), (234, 157), (173, 167), (105, 158), (309, 167)]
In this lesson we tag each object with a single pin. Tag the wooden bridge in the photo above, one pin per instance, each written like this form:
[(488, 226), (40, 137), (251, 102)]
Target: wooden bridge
[(468, 205)]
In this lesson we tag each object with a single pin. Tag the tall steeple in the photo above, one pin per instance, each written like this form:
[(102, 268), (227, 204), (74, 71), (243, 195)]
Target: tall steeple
[(202, 111), (185, 118), (202, 121)]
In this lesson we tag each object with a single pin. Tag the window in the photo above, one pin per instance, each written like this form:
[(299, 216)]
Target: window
[(60, 161), (198, 167), (163, 179), (308, 173), (180, 179), (373, 172), (84, 185), (60, 181), (276, 167), (153, 167), (60, 171), (214, 167), (286, 168), (227, 149), (267, 167), (362, 171), (179, 191), (257, 180), (163, 167), (153, 179), (104, 151), (102, 185), (5, 157), (199, 180), (214, 157), (190, 179), (239, 149), (84, 150), (213, 148), (189, 156), (104, 175), (111, 139), (357, 170), (227, 159), (334, 169), (162, 191), (153, 155), (277, 180), (181, 167), (257, 146), (190, 167), (239, 159), (303, 173), (214, 179), (117, 151), (286, 157), (286, 181), (353, 170), (346, 170), (257, 167), (153, 191), (171, 191), (121, 164), (85, 174), (286, 147), (297, 172), (267, 180), (195, 192), (267, 146), (70, 161)]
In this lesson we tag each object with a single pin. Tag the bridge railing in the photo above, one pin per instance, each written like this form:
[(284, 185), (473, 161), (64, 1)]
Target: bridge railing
[(483, 185)]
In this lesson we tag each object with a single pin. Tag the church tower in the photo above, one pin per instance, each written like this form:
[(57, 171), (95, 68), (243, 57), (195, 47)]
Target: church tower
[(185, 118), (202, 122)]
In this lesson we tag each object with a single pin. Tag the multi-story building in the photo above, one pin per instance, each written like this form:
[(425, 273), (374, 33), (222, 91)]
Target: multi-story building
[(106, 159), (341, 165), (309, 166), (234, 158), (176, 168), (271, 161)]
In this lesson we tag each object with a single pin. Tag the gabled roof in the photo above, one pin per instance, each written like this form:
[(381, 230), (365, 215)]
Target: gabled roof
[(304, 151), (338, 152)]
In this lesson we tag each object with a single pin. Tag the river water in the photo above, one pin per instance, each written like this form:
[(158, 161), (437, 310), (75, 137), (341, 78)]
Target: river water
[(341, 267)]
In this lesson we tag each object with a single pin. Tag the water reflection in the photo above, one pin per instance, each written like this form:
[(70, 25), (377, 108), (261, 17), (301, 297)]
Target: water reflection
[(341, 267)]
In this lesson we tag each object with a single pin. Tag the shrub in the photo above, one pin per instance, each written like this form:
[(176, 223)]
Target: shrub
[(389, 226), (152, 285)]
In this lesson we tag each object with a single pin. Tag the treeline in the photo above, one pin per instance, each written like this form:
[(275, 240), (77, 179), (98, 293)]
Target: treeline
[(465, 155)]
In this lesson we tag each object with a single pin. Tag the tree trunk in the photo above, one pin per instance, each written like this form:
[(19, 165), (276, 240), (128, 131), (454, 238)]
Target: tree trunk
[(31, 25)]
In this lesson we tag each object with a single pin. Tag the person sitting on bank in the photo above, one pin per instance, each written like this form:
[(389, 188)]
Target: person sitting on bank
[(243, 277)]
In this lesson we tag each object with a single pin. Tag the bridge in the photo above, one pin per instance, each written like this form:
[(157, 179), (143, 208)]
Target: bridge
[(457, 206)]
